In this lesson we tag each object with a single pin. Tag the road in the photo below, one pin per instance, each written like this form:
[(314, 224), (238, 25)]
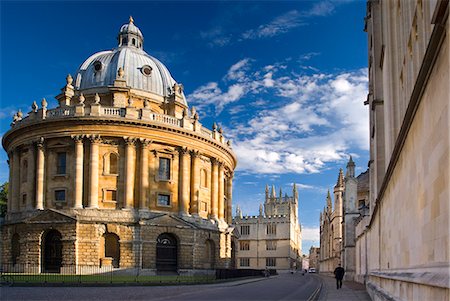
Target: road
[(282, 287)]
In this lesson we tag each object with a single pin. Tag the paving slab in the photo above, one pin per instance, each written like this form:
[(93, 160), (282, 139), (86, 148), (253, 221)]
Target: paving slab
[(350, 291)]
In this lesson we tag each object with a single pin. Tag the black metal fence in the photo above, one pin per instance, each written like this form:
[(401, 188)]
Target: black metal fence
[(24, 274)]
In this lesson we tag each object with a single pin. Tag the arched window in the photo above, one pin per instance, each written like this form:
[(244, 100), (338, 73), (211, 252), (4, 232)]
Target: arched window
[(112, 248), (24, 171), (133, 41), (111, 164), (52, 250), (210, 254), (15, 248)]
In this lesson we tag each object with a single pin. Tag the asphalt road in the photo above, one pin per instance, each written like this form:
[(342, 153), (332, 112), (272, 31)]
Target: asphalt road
[(282, 287)]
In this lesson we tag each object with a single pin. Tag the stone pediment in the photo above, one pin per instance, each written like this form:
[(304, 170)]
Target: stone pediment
[(51, 216), (167, 220)]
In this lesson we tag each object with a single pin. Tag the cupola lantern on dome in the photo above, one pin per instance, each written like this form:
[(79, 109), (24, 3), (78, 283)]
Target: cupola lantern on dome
[(130, 35)]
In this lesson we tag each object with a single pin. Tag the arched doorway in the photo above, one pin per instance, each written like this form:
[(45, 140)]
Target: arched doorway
[(52, 252), (166, 253), (210, 254), (112, 248)]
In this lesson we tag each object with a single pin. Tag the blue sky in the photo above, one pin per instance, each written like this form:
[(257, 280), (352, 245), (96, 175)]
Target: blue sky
[(286, 80)]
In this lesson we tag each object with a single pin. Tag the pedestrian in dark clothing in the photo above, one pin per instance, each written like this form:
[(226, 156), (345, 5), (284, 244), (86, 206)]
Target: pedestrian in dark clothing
[(339, 274)]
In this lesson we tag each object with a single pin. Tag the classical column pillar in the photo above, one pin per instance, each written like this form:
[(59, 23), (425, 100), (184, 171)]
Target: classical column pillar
[(40, 160), (144, 174), (184, 181), (229, 199), (31, 176), (10, 163), (195, 206), (214, 188), (93, 171), (221, 197), (130, 154), (79, 155), (16, 181)]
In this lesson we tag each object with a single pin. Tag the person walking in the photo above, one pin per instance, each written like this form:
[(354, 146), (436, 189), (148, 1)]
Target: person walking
[(339, 275)]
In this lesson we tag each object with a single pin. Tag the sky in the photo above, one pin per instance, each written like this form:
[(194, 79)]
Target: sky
[(286, 80)]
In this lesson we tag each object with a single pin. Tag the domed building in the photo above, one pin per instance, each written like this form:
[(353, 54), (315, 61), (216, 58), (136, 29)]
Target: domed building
[(121, 173)]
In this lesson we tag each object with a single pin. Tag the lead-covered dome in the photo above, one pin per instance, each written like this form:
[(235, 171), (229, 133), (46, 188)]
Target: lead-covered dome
[(141, 71)]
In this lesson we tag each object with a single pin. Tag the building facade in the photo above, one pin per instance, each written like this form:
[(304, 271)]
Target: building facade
[(273, 238), (121, 173), (314, 254), (404, 237), (338, 223)]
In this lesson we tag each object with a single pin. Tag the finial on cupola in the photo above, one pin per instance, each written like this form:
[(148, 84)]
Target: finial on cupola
[(131, 20)]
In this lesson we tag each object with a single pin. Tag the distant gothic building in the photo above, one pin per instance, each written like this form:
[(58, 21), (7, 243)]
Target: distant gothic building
[(314, 255), (119, 174), (338, 222), (273, 238)]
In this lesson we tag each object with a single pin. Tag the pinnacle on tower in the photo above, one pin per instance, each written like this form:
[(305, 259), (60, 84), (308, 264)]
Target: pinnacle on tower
[(272, 192), (340, 180), (350, 168), (267, 192), (281, 195), (261, 210), (328, 200)]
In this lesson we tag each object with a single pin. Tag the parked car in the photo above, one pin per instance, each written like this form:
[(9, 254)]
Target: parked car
[(311, 270)]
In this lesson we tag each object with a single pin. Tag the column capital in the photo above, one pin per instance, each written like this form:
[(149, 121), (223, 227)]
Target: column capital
[(194, 153), (40, 142), (129, 140), (77, 138), (182, 150), (214, 161), (94, 138), (145, 142)]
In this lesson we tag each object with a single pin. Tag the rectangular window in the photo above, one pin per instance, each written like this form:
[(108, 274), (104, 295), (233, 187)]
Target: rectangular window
[(271, 229), (244, 262), (164, 169), (60, 195), (245, 230), (271, 262), (271, 245), (61, 163), (24, 199), (111, 195), (163, 200), (244, 245)]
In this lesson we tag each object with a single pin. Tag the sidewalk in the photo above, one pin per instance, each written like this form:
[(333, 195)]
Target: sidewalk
[(350, 291)]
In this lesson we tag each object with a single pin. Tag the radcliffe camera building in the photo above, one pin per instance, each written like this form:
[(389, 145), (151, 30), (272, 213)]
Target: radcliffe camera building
[(272, 239), (121, 173)]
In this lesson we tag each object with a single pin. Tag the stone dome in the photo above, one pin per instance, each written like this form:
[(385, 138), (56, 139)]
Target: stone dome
[(141, 71)]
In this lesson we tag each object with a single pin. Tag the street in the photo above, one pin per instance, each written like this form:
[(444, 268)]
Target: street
[(281, 287)]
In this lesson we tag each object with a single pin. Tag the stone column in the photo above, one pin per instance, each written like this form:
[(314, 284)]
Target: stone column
[(40, 160), (78, 179), (15, 184), (184, 181), (221, 197), (130, 155), (31, 176), (214, 188), (229, 199), (10, 163), (93, 171), (144, 174), (195, 206)]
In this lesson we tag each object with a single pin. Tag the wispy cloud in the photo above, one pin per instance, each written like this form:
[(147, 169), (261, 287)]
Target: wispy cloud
[(311, 234), (279, 25)]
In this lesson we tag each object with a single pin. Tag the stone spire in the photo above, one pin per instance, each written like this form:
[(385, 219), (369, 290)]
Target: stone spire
[(272, 192), (328, 201), (238, 211), (350, 168), (340, 180), (295, 192), (261, 212), (281, 195), (267, 193)]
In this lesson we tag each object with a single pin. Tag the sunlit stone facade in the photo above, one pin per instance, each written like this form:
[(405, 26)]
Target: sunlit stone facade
[(121, 173)]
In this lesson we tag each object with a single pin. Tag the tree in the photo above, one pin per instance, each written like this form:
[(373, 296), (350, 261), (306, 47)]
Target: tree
[(3, 199)]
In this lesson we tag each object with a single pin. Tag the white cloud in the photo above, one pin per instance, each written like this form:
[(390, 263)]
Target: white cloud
[(307, 122), (279, 25), (311, 234)]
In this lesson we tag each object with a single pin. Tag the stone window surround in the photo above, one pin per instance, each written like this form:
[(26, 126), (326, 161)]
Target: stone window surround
[(170, 194), (166, 156), (104, 190), (53, 151), (106, 164), (54, 189)]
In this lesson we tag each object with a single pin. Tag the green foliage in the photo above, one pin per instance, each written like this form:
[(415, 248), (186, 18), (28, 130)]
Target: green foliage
[(3, 199)]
